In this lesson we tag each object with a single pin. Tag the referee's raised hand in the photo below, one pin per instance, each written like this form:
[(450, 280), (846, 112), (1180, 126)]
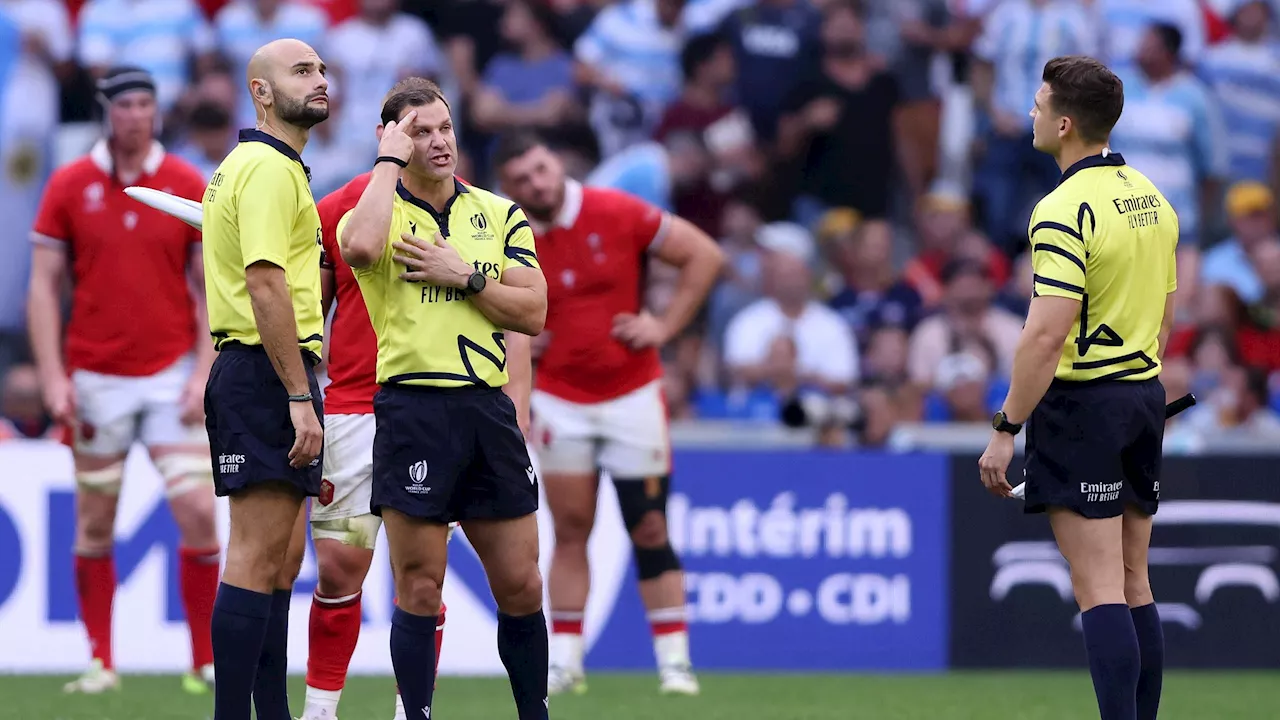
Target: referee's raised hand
[(394, 141)]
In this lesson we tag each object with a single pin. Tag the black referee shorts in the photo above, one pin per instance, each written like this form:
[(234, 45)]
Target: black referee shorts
[(450, 454), (1093, 448), (246, 412)]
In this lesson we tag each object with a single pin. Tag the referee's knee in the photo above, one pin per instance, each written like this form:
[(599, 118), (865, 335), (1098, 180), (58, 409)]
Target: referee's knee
[(417, 590), (1137, 587), (519, 594)]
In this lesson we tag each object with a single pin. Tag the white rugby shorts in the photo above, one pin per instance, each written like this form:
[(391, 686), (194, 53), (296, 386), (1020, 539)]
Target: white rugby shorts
[(116, 411), (627, 435), (348, 467)]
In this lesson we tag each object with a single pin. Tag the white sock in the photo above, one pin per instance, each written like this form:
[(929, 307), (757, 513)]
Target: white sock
[(400, 714), (671, 649), (567, 651), (321, 704)]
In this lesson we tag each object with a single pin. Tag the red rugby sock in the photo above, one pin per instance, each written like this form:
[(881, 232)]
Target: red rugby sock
[(332, 634), (198, 583), (96, 588)]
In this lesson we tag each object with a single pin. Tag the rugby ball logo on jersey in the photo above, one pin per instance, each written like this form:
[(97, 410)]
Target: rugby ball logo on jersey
[(1217, 567)]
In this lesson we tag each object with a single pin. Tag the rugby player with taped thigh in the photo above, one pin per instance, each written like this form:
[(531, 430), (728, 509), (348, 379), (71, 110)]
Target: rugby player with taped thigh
[(342, 526), (598, 403), (136, 358)]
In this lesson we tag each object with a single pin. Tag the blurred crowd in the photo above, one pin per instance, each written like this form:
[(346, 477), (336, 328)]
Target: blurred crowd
[(867, 166)]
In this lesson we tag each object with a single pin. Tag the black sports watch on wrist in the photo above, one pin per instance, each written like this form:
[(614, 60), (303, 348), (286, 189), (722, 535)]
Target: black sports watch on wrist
[(476, 282), (1000, 423)]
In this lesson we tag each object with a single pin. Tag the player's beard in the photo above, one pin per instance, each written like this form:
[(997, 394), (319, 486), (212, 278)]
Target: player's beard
[(301, 114)]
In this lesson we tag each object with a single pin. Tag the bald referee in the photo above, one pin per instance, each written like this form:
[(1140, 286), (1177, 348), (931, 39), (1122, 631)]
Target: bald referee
[(262, 403), (1086, 378)]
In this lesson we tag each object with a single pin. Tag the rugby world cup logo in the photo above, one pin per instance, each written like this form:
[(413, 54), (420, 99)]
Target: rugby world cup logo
[(418, 472)]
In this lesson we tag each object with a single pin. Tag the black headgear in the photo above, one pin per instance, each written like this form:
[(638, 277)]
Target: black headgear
[(121, 80)]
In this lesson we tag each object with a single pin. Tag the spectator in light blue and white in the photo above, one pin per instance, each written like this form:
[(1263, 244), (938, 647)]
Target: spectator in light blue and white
[(1244, 72), (368, 54), (246, 25), (1018, 38), (1251, 212), (1172, 129), (35, 47), (163, 37), (1123, 23), (630, 58)]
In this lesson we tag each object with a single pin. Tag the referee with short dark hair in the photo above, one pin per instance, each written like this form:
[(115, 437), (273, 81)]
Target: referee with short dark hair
[(1086, 378)]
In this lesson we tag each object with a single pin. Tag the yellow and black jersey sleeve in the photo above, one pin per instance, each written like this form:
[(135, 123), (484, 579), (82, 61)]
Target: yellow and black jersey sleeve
[(1059, 250)]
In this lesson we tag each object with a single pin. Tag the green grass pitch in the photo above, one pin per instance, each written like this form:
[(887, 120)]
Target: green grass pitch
[(952, 696)]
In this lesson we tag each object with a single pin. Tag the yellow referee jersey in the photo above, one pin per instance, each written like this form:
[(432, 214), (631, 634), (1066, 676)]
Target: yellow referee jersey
[(1107, 237), (258, 207), (430, 335)]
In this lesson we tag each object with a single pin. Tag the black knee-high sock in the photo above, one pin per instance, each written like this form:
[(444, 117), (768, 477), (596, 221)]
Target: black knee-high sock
[(1146, 623), (413, 658), (522, 645), (238, 626), (271, 688), (1114, 659)]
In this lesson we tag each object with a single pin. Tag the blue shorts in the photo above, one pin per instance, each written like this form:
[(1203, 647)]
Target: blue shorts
[(246, 411), (450, 454), (1095, 448)]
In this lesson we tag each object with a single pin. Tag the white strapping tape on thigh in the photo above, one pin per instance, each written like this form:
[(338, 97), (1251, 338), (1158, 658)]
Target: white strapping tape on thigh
[(360, 531), (184, 472), (449, 536), (105, 480)]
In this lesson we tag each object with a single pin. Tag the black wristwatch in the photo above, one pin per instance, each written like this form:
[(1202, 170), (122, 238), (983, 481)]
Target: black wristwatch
[(1000, 423), (476, 282)]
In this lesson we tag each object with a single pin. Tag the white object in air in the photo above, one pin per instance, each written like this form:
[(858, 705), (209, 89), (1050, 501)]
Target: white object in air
[(188, 211), (1020, 491)]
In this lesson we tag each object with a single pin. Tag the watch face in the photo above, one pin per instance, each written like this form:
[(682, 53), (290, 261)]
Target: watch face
[(476, 282), (998, 420)]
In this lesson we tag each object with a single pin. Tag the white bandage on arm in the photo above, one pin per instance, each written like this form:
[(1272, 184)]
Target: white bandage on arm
[(360, 531), (184, 472), (103, 480)]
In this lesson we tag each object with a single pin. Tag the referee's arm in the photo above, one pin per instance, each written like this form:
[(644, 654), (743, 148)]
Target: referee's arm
[(266, 208), (362, 235), (1057, 261)]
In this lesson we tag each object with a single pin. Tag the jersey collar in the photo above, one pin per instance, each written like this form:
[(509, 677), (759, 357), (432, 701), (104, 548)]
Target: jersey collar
[(572, 205), (280, 146), (441, 218), (1106, 159), (100, 153)]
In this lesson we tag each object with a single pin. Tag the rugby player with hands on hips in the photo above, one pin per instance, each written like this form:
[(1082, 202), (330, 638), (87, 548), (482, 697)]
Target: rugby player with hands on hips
[(1086, 378), (597, 402), (136, 358), (342, 527), (446, 270)]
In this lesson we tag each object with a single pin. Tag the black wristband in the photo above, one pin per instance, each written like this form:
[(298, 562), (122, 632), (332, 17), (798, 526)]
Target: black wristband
[(305, 397), (388, 158)]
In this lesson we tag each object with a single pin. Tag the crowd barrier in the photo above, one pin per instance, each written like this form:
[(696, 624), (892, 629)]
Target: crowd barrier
[(795, 559)]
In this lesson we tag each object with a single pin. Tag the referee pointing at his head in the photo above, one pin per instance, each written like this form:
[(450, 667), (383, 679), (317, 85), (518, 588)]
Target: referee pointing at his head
[(446, 445), (262, 403), (1086, 378)]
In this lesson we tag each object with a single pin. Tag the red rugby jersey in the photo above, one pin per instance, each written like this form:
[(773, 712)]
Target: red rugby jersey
[(594, 256), (132, 312), (353, 345)]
